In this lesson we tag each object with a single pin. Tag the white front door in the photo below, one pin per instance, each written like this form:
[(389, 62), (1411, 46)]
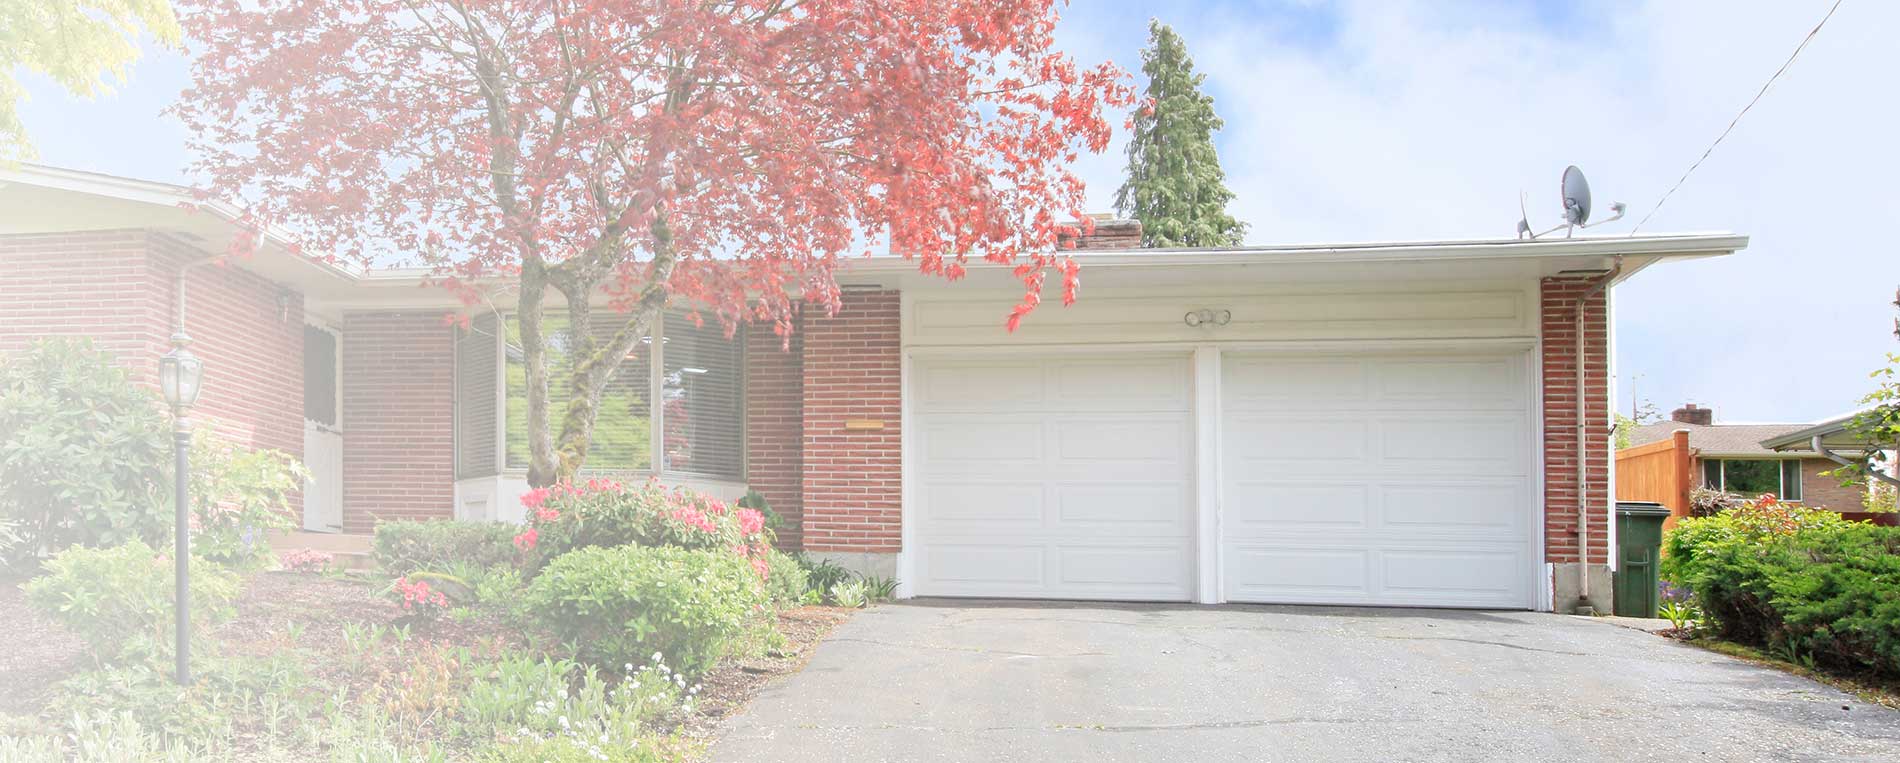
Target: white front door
[(1065, 477), (322, 431), (1394, 479)]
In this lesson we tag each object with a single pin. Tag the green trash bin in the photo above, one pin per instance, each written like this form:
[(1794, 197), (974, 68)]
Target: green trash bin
[(1639, 526)]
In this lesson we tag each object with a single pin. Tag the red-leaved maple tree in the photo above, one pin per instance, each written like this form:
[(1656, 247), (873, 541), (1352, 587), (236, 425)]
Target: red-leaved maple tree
[(718, 155)]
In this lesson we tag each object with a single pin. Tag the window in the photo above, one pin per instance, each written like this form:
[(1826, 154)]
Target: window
[(1752, 477), (695, 373), (623, 427)]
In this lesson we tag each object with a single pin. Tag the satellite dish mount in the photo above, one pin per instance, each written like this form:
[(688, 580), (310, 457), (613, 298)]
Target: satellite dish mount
[(1576, 197)]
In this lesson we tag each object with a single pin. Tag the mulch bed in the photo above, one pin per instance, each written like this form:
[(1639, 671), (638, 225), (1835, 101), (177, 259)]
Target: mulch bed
[(278, 610)]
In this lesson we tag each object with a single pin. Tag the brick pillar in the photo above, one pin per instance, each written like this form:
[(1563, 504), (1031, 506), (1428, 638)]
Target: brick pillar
[(853, 432), (1561, 460), (398, 418), (774, 427)]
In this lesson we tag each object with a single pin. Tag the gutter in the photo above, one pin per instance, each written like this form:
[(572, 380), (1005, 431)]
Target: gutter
[(1815, 442), (1583, 435)]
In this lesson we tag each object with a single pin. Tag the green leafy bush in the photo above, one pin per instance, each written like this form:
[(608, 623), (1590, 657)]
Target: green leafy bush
[(84, 453), (440, 545), (620, 605), (238, 496), (785, 581), (603, 512), (823, 574), (119, 599), (1799, 580)]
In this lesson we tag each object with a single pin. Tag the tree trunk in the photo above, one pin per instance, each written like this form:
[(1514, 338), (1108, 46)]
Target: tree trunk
[(542, 469)]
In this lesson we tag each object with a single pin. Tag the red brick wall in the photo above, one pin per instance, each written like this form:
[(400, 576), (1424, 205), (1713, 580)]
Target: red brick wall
[(398, 418), (117, 288), (1826, 491), (852, 478), (774, 426), (1561, 460), (93, 284)]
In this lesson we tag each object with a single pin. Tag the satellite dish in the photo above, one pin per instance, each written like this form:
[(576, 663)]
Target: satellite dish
[(1576, 196)]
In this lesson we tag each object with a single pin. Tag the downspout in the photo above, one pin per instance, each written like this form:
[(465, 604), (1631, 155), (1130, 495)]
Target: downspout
[(178, 292), (1871, 469), (1583, 436)]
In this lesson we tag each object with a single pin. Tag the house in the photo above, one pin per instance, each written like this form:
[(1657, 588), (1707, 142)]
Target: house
[(1382, 423), (1747, 459)]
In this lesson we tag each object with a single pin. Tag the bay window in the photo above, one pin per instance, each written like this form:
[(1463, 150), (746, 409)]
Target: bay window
[(686, 388)]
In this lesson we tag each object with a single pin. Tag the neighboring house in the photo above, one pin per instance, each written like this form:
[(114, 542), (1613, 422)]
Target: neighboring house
[(1733, 457), (1387, 424)]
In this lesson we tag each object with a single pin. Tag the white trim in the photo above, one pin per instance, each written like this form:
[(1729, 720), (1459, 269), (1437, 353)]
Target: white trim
[(1546, 593), (1207, 487), (1306, 346), (1610, 556), (906, 461)]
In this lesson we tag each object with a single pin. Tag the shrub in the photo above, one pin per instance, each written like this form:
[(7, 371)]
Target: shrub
[(238, 496), (1803, 581), (84, 454), (620, 605), (537, 703), (306, 560), (1704, 502), (601, 512), (437, 545), (120, 599), (419, 602), (823, 574), (785, 580)]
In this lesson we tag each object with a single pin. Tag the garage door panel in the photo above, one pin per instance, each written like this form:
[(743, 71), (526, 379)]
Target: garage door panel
[(1468, 383), (1454, 445), (1265, 506), (1474, 577), (991, 504), (1132, 383), (980, 564), (977, 440), (1120, 443), (1313, 442), (1493, 508), (982, 386), (1270, 384), (1158, 568), (1130, 508), (1298, 573)]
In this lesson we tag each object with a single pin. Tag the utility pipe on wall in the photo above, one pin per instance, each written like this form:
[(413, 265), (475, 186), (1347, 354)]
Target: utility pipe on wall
[(1583, 431)]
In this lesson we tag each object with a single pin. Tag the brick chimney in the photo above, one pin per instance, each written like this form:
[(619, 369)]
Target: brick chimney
[(1690, 414), (1111, 233)]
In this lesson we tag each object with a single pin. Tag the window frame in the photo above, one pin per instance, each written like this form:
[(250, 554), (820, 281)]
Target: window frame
[(656, 404), (1782, 466)]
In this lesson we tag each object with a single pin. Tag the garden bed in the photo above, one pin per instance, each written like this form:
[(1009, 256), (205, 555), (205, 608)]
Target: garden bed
[(337, 628)]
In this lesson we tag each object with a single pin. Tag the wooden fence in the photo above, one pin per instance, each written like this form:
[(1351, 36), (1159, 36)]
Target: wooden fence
[(1660, 471)]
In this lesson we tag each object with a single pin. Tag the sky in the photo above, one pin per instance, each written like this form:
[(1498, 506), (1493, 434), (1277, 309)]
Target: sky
[(1358, 120)]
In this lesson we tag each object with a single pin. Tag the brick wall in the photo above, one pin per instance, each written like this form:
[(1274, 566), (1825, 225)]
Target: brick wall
[(1561, 459), (398, 418), (774, 426), (1826, 491), (852, 478), (117, 287)]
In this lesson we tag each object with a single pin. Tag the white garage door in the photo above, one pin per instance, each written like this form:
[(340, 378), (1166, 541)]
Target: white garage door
[(1054, 477), (1376, 479)]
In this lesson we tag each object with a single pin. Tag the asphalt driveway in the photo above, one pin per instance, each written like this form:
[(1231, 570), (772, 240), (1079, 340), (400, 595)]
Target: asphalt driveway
[(982, 681)]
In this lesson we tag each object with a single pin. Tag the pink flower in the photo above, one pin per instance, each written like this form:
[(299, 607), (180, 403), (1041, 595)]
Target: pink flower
[(751, 521), (527, 538), (534, 498)]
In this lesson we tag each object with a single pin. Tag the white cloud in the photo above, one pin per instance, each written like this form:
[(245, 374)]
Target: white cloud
[(1391, 120)]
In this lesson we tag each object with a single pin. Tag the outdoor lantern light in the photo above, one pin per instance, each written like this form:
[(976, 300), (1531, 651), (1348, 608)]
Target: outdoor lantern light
[(179, 374)]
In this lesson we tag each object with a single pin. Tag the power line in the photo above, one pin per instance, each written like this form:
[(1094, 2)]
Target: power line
[(1738, 116)]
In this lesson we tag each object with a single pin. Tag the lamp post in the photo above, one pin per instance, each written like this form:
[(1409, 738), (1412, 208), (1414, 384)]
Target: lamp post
[(179, 373)]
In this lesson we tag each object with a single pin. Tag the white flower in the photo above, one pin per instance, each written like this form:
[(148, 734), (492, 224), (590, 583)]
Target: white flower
[(563, 721), (656, 657)]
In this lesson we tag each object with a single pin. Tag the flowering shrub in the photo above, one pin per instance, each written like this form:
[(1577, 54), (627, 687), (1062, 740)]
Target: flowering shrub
[(306, 560), (620, 604), (238, 496), (543, 710), (1803, 581), (419, 601), (603, 512)]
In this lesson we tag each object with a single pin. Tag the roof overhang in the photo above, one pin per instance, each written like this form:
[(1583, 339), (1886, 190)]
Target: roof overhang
[(1834, 433)]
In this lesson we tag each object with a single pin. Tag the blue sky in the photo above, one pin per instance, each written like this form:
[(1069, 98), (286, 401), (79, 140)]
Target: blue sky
[(1332, 107)]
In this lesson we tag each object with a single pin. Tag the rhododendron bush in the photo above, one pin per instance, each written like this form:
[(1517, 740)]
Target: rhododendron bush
[(726, 157), (605, 512)]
